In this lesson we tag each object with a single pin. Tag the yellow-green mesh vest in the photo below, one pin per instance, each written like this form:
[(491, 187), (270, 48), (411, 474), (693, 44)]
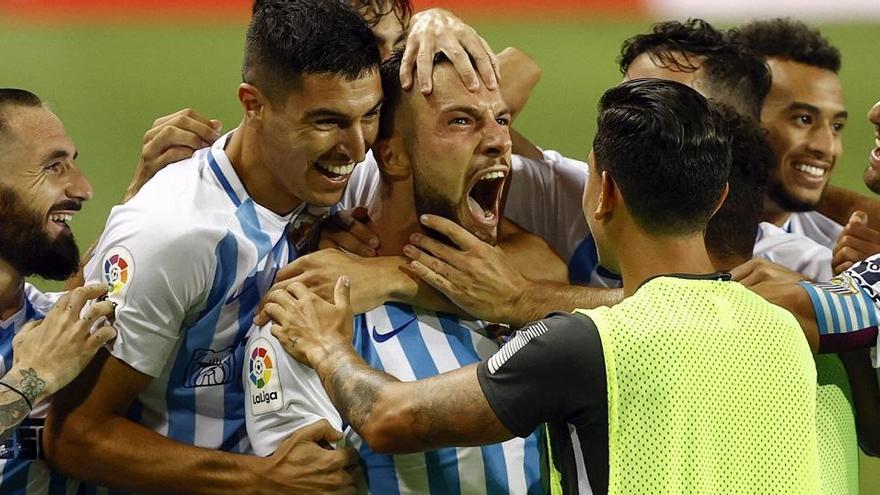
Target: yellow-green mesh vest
[(711, 390), (836, 429)]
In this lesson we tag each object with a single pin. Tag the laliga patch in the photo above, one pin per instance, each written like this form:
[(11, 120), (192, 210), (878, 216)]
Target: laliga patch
[(264, 387), (117, 268)]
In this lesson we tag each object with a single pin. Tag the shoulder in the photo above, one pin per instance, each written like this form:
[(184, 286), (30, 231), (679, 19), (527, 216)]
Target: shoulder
[(39, 300), (551, 167)]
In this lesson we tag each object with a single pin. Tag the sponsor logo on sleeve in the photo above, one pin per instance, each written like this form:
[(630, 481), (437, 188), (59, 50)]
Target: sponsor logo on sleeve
[(117, 268), (264, 385)]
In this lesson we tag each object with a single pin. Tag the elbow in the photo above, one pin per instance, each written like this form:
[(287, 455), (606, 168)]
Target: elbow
[(65, 441), (388, 431)]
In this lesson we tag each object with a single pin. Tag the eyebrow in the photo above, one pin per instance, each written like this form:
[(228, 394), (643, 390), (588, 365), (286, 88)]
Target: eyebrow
[(799, 105), (470, 110), (59, 154), (336, 114)]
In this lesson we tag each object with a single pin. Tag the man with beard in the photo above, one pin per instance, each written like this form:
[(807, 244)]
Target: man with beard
[(446, 154), (804, 115), (637, 395), (41, 189), (190, 256)]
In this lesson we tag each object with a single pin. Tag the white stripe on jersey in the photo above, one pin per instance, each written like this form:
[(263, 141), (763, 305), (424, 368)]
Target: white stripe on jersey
[(584, 487)]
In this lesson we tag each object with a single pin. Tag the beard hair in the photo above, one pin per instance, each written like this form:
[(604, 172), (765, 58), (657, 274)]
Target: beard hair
[(26, 246), (429, 201), (787, 201)]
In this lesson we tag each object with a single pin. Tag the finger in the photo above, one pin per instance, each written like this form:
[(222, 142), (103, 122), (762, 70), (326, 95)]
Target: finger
[(275, 312), (456, 233), (752, 279), (364, 234), (171, 136), (448, 254), (425, 68), (319, 430), (482, 61), (280, 297), (858, 217), (290, 271), (350, 242), (431, 277), (493, 59), (463, 66), (80, 295), (175, 154), (738, 273), (97, 310), (350, 457), (101, 336), (300, 291), (407, 63), (862, 232), (842, 267), (342, 293), (261, 318)]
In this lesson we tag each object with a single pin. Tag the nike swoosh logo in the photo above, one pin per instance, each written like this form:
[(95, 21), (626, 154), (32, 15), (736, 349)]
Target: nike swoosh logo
[(382, 337)]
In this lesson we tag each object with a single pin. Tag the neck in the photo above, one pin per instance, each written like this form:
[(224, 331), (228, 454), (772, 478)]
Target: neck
[(727, 263), (11, 290), (648, 256), (774, 214), (393, 216), (248, 160)]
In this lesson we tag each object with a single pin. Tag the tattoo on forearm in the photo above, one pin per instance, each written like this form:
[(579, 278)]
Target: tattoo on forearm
[(31, 384), (353, 386)]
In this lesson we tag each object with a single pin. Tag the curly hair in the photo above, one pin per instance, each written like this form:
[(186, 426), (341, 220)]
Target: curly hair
[(374, 10), (789, 39)]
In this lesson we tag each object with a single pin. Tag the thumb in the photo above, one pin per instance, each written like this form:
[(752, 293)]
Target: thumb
[(342, 292), (216, 124), (859, 217)]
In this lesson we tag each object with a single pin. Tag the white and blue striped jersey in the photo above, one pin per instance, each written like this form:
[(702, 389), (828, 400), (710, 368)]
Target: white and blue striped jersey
[(410, 344), (793, 251), (814, 225), (22, 472), (188, 259)]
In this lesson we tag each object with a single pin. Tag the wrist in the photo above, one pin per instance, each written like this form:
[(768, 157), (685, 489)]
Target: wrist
[(36, 386), (326, 359), (401, 287)]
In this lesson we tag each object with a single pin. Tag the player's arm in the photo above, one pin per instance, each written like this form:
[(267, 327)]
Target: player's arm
[(448, 409), (172, 138), (482, 280), (838, 204)]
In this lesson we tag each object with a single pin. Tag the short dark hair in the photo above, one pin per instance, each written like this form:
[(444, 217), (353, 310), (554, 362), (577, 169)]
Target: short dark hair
[(288, 38), (374, 10), (732, 230), (665, 147), (789, 39), (734, 74), (15, 96)]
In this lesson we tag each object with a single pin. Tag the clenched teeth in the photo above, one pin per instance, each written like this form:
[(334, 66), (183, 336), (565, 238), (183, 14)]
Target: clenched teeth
[(811, 170), (493, 175), (60, 217), (337, 169)]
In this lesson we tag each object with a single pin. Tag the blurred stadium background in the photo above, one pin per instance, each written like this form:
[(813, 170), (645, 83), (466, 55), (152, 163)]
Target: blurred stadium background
[(109, 68)]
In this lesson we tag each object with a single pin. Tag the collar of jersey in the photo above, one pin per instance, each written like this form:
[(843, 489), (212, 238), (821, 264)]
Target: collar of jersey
[(717, 276), (228, 179)]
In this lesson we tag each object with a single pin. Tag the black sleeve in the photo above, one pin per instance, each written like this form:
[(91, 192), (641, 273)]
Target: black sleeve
[(551, 370)]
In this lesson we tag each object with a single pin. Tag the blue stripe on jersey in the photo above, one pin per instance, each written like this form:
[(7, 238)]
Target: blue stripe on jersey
[(442, 465), (459, 339), (15, 476), (6, 336), (181, 401), (222, 178), (583, 262), (380, 473), (534, 444), (495, 469)]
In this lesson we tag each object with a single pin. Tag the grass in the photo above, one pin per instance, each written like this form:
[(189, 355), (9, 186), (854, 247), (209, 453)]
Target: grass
[(109, 82)]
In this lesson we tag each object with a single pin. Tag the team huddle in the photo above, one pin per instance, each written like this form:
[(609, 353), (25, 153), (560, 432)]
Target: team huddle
[(374, 284)]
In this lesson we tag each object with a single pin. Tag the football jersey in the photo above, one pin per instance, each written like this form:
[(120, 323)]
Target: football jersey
[(544, 198), (793, 251), (814, 225), (22, 471), (188, 260), (410, 344)]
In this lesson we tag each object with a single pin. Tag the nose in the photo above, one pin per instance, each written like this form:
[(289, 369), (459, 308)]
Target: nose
[(496, 139), (824, 142), (354, 143), (78, 187)]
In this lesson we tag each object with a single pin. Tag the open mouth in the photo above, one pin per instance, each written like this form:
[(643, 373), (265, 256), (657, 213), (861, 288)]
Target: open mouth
[(813, 172), (875, 153), (485, 195), (336, 173), (60, 220)]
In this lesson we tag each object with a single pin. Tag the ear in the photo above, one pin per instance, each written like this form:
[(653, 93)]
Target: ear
[(392, 158), (252, 100), (721, 199), (607, 197)]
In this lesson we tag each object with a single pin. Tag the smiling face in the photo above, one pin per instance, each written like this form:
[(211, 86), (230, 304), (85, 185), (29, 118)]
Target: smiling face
[(458, 144), (311, 144), (872, 174), (40, 190), (803, 116)]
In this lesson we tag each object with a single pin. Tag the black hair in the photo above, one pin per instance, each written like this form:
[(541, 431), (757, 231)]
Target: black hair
[(790, 39), (734, 74), (15, 96), (289, 38), (665, 147), (731, 231), (374, 10)]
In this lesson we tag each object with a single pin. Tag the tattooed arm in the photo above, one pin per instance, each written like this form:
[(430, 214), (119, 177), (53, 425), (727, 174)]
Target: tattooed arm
[(391, 416), (48, 354)]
